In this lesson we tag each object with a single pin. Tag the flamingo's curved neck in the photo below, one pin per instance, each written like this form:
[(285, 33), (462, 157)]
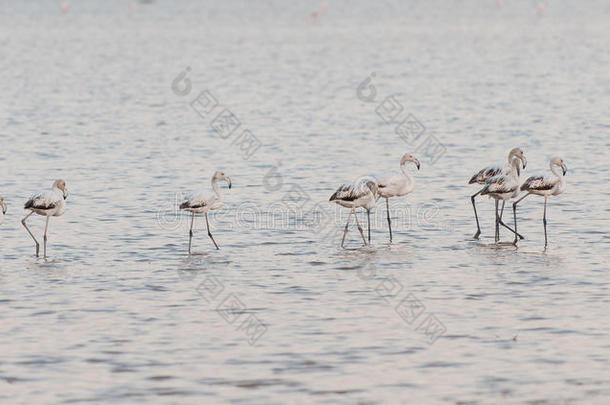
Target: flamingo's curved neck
[(516, 162), (216, 188), (559, 175), (409, 178)]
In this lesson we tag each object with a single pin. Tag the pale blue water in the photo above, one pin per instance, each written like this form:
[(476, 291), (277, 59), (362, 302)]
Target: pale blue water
[(120, 313)]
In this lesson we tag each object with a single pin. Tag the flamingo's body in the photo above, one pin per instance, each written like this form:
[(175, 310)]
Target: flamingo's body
[(397, 185), (203, 201), (545, 186), (3, 210), (50, 203), (488, 172), (361, 193), (503, 187)]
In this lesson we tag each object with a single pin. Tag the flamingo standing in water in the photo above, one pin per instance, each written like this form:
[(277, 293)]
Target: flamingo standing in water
[(545, 186), (485, 174), (398, 185), (3, 210), (361, 193), (503, 187), (201, 202), (49, 204)]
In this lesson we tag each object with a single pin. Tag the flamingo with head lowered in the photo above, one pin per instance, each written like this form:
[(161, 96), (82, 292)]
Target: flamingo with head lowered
[(361, 193)]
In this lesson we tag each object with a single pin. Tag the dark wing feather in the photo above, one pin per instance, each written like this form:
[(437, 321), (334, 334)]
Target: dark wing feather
[(485, 174), (540, 183), (498, 185), (39, 203), (345, 192)]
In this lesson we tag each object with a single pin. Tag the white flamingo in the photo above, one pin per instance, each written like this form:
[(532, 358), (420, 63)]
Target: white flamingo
[(503, 187), (203, 201), (3, 210), (397, 185), (488, 172), (361, 193), (49, 203), (545, 186)]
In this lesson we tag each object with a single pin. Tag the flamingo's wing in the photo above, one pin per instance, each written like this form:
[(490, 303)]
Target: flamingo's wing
[(346, 192), (198, 200), (485, 174), (499, 184), (539, 183), (45, 200)]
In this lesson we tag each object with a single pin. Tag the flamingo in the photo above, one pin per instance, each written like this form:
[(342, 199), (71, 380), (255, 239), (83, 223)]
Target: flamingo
[(485, 174), (361, 193), (503, 187), (201, 202), (544, 186), (49, 204), (397, 185), (3, 210)]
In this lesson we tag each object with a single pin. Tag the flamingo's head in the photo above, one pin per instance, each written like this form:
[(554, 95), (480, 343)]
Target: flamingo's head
[(518, 153), (557, 161), (61, 185), (407, 157), (221, 175)]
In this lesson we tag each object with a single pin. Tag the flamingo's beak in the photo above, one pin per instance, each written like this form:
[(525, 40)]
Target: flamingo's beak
[(564, 168), (65, 194), (524, 161), (4, 209), (417, 164), (230, 182)]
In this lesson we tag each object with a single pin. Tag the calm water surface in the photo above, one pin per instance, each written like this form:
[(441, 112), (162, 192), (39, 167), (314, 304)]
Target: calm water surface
[(120, 313)]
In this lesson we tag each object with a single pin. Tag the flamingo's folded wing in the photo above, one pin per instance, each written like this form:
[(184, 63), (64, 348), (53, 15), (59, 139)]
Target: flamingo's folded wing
[(485, 174), (345, 192), (540, 183), (197, 200), (42, 201)]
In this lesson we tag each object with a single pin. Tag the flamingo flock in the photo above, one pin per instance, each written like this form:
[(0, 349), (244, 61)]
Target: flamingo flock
[(501, 183), (505, 184)]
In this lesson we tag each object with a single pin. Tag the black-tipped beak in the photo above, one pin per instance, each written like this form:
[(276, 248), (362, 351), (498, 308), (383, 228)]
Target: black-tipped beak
[(565, 169), (418, 165), (230, 183)]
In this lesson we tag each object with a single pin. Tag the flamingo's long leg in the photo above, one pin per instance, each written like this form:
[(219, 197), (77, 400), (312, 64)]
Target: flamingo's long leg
[(346, 227), (515, 215), (191, 231), (506, 226), (497, 224), (544, 222), (30, 232), (210, 233), (368, 215), (46, 228), (387, 206), (474, 207), (359, 227)]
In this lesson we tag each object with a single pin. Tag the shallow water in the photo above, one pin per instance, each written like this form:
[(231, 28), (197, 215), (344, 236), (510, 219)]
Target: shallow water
[(121, 313)]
